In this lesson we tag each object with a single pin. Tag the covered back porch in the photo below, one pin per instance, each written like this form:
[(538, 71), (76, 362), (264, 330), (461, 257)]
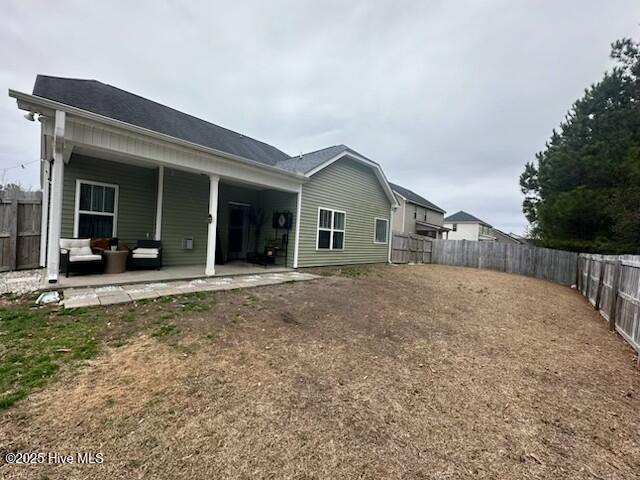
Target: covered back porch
[(208, 212), (111, 198)]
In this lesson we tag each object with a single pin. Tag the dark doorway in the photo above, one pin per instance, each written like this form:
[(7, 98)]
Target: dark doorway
[(237, 227)]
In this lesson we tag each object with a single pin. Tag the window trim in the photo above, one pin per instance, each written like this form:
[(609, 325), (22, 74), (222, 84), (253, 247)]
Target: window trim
[(77, 211), (331, 230), (386, 235)]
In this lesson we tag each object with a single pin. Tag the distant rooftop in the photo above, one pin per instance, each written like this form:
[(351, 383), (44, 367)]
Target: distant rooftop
[(464, 217)]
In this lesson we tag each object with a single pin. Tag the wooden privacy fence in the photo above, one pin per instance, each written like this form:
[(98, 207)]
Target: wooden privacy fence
[(20, 214), (555, 265), (410, 248), (612, 285)]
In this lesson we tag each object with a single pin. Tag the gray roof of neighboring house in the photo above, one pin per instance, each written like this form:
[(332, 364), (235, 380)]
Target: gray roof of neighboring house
[(505, 235), (112, 102), (464, 217), (415, 198)]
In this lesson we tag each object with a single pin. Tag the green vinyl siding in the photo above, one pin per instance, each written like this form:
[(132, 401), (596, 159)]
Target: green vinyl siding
[(136, 197), (185, 213), (353, 188)]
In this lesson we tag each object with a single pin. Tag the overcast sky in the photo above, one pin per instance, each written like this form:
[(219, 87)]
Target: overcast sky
[(452, 98)]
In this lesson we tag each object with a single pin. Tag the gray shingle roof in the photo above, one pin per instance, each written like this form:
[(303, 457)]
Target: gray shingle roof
[(306, 162), (112, 102), (415, 198), (464, 217)]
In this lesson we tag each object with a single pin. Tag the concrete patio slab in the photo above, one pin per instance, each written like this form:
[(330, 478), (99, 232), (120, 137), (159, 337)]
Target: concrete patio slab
[(183, 273), (114, 294)]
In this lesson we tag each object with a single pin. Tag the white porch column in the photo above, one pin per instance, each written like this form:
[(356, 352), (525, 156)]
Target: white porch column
[(158, 231), (210, 269), (44, 220), (55, 209), (297, 239)]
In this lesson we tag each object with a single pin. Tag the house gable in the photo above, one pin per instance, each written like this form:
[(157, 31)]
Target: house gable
[(346, 186)]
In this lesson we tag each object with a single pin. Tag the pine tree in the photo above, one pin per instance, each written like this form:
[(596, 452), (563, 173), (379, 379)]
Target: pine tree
[(583, 191)]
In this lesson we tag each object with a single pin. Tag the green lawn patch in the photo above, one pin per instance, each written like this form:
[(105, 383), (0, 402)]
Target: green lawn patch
[(165, 330), (36, 342)]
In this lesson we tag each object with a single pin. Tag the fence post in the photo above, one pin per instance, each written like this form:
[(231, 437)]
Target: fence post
[(578, 274), (603, 266), (13, 232), (615, 288), (586, 287)]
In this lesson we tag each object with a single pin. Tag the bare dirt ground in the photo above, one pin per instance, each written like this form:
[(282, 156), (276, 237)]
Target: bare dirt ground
[(401, 372)]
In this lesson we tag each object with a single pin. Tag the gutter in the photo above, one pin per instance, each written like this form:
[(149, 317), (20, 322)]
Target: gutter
[(52, 104)]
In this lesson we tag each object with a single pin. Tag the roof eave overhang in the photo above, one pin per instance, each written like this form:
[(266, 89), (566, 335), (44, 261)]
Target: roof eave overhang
[(432, 225), (45, 106), (439, 210), (365, 161)]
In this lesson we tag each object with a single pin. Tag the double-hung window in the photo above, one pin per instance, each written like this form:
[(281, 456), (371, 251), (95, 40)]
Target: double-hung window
[(381, 231), (330, 229), (96, 209)]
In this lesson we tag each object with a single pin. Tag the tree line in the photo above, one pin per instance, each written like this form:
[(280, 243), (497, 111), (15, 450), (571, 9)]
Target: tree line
[(582, 192)]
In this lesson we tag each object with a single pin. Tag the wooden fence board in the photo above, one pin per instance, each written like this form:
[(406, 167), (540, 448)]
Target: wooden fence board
[(410, 248), (20, 214), (617, 278), (555, 265)]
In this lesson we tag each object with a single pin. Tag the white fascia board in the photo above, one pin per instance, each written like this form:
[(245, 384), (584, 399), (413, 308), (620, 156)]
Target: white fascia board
[(32, 102), (376, 168), (401, 196)]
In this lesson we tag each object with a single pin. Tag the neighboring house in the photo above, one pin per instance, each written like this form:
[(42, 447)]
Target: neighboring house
[(504, 237), (521, 239), (120, 165), (464, 226), (416, 214)]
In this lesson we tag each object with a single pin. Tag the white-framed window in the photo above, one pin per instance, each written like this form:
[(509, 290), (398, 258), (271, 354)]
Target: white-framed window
[(454, 227), (381, 231), (331, 227), (96, 212)]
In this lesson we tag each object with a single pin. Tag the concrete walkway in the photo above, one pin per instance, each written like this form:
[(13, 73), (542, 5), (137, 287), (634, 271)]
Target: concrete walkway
[(112, 294)]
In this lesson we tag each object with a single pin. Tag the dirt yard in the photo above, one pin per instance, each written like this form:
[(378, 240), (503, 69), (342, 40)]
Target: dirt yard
[(380, 373)]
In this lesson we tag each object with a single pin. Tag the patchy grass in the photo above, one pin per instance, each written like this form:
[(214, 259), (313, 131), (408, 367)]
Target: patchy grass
[(348, 271), (165, 330), (36, 342), (195, 306)]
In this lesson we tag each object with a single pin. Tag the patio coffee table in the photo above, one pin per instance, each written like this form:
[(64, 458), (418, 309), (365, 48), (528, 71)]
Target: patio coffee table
[(115, 261)]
